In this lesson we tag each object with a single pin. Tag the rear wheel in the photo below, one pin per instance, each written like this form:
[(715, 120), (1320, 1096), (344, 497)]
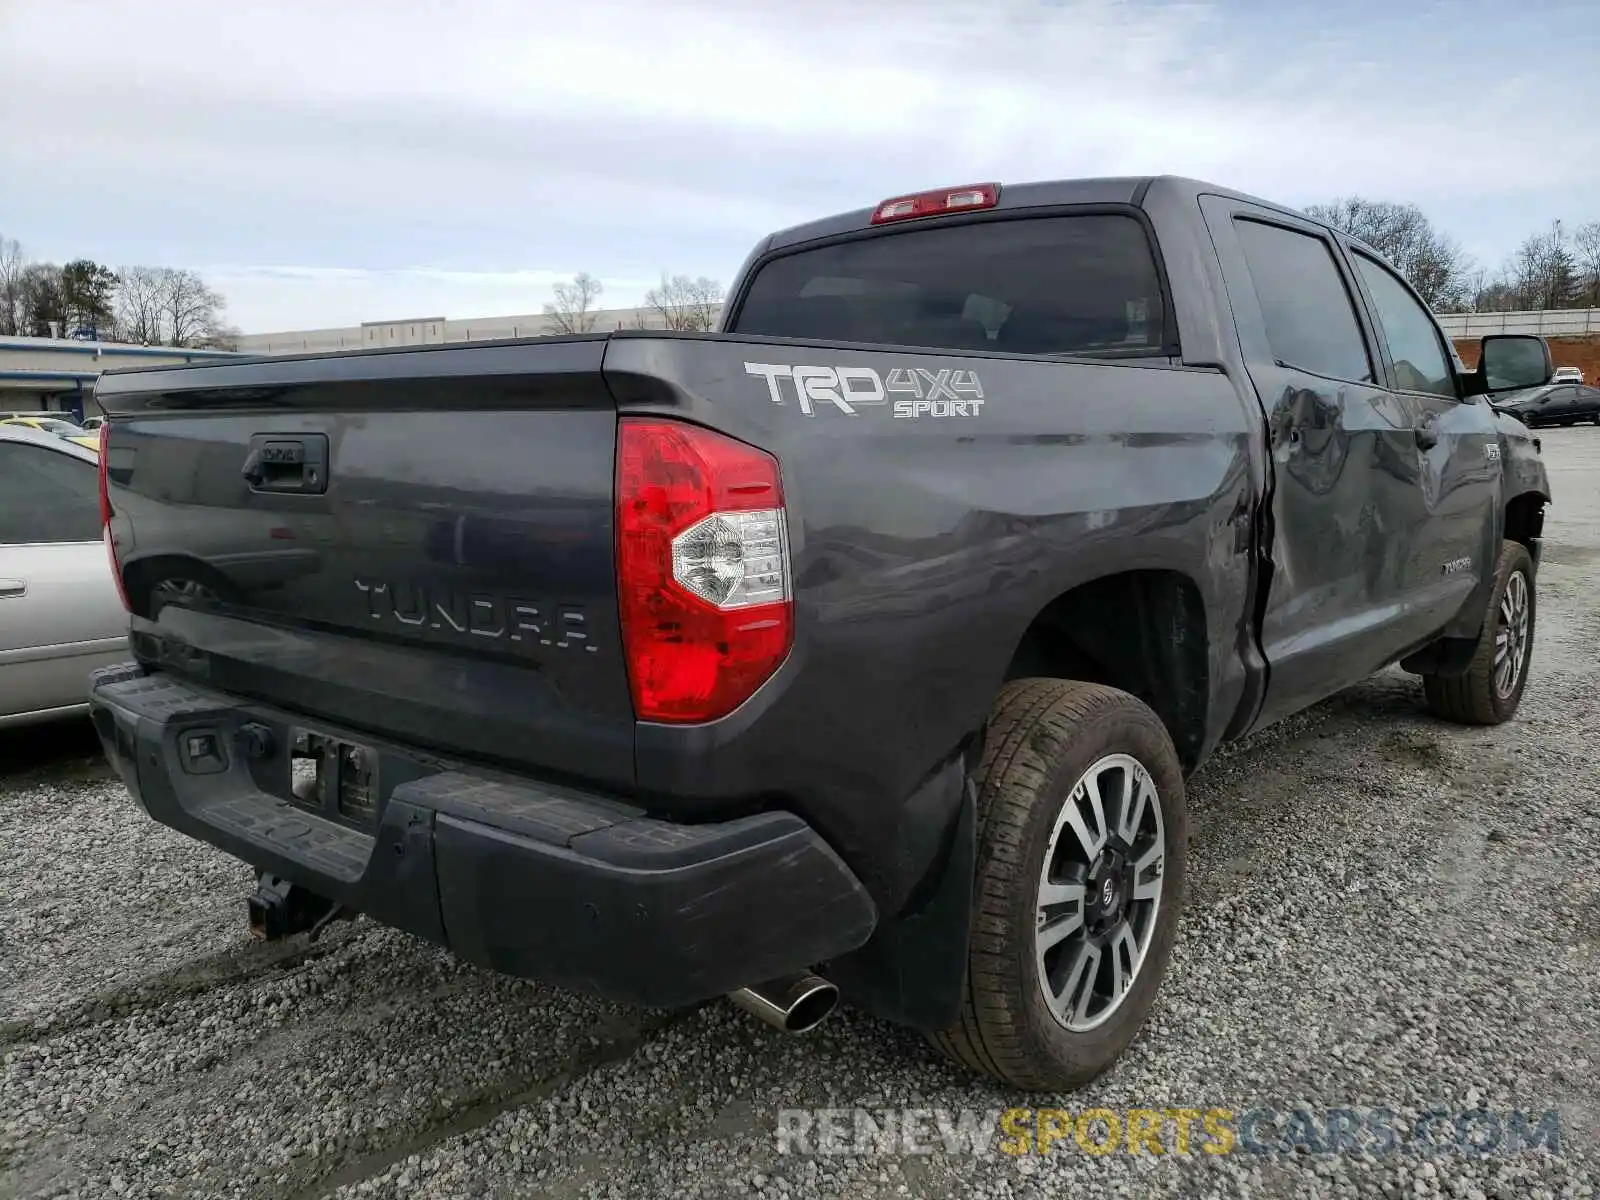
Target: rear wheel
[(1083, 841), (187, 582), (181, 590), (1490, 690)]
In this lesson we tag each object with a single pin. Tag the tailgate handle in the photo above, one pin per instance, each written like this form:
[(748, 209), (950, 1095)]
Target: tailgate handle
[(287, 463), (12, 588)]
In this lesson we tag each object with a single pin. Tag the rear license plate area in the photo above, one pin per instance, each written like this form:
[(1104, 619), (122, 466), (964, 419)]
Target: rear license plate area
[(334, 778)]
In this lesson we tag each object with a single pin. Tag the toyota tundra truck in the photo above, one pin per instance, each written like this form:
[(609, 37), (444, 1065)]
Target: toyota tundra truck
[(857, 650)]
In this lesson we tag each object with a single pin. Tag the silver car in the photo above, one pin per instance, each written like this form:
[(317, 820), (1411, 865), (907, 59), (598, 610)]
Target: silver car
[(60, 615)]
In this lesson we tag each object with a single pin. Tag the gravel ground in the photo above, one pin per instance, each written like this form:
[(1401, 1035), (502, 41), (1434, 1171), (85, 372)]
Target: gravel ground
[(1386, 912)]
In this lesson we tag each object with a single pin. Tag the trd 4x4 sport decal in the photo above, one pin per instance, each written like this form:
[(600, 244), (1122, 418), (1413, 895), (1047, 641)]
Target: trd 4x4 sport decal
[(945, 392)]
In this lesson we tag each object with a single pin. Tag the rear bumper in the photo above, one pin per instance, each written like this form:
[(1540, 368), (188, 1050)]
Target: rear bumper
[(542, 882)]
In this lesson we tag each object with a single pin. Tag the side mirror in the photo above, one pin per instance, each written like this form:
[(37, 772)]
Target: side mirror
[(1508, 362)]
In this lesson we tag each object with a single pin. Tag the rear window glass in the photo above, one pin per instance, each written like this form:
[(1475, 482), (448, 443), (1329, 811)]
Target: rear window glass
[(1046, 285)]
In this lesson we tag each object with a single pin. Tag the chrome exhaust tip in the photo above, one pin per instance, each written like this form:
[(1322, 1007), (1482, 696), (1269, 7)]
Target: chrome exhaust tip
[(793, 1004)]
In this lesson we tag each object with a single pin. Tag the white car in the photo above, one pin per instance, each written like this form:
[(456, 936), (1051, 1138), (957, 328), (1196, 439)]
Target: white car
[(1567, 375), (60, 614)]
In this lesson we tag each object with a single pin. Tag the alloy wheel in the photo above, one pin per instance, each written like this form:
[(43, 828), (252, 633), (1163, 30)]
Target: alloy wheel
[(1511, 640), (1099, 892)]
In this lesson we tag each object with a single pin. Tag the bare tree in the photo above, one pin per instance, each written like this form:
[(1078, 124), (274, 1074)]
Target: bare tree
[(1543, 273), (138, 305), (1476, 287), (684, 303), (1586, 250), (574, 310), (1494, 295), (150, 305), (220, 336), (190, 309), (13, 265), (1402, 233)]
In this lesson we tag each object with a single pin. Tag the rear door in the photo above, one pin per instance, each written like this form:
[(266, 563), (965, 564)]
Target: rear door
[(1345, 491), (60, 616)]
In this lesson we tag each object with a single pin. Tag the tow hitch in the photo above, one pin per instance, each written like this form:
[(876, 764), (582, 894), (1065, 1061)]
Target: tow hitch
[(281, 909)]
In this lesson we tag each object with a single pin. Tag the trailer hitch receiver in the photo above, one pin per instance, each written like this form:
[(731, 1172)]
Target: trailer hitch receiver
[(281, 909)]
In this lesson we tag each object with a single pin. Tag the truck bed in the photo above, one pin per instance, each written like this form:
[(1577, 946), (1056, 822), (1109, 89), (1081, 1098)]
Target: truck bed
[(454, 584)]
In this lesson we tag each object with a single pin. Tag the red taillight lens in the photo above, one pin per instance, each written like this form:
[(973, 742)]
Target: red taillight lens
[(702, 569), (105, 518), (933, 204)]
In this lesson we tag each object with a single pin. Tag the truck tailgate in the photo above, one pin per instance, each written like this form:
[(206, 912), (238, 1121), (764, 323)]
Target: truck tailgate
[(418, 542)]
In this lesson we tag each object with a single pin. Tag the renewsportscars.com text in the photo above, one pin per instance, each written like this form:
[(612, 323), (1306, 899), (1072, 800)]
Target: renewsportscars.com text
[(1261, 1131)]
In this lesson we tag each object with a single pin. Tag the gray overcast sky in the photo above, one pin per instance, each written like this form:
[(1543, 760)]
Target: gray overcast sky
[(328, 163)]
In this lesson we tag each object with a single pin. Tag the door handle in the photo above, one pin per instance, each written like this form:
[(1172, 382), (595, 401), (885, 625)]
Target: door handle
[(1427, 435), (294, 463), (11, 588)]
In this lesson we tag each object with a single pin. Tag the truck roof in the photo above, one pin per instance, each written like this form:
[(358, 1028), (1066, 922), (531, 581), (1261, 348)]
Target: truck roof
[(1111, 189)]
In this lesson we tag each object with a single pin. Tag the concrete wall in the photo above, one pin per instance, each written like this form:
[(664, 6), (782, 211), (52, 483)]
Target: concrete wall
[(1552, 323), (1573, 334)]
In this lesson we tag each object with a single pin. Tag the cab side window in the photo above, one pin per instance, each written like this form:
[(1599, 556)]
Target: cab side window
[(1311, 324), (1420, 361)]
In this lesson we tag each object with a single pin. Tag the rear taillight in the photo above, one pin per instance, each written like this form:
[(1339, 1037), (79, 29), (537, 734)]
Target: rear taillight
[(702, 569), (939, 203), (105, 518)]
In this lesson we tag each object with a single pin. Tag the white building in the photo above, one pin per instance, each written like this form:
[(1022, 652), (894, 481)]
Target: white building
[(426, 331), (423, 331), (56, 374)]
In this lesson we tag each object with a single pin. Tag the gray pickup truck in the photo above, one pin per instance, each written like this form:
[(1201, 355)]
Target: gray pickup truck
[(858, 649)]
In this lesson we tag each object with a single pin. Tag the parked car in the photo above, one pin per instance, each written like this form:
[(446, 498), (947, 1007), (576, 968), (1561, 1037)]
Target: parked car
[(861, 647), (1567, 375), (1557, 404), (92, 424), (59, 427), (60, 616)]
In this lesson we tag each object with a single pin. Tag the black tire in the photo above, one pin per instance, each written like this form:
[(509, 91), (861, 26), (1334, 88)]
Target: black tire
[(1476, 698), (1043, 736)]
